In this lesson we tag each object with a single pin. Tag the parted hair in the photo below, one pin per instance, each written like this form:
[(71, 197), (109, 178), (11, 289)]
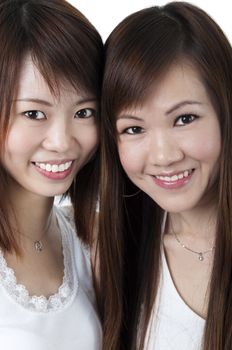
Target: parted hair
[(138, 51), (64, 46)]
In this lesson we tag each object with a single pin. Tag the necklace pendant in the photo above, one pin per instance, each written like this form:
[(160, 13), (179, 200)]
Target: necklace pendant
[(38, 245), (200, 257)]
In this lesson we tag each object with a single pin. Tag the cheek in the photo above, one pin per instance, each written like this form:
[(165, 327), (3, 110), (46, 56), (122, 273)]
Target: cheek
[(19, 142), (131, 158), (205, 146), (89, 141), (210, 151)]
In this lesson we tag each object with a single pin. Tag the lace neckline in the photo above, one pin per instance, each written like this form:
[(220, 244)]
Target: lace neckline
[(41, 303)]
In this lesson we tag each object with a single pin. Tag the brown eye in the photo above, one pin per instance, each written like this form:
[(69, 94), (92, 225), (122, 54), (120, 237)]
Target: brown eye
[(185, 119), (35, 115), (85, 113), (133, 130)]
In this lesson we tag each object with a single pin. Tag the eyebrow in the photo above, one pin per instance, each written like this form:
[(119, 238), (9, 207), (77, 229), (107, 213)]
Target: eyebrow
[(132, 117), (172, 109), (46, 103), (181, 104)]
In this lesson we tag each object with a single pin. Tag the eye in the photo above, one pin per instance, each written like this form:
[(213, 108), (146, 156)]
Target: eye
[(36, 115), (133, 130), (185, 119), (85, 113)]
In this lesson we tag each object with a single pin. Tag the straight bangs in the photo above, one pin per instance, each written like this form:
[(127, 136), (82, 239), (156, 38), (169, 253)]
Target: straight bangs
[(59, 48), (138, 52), (135, 63), (65, 47), (155, 38)]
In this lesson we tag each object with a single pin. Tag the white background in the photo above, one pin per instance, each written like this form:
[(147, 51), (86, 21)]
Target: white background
[(106, 14)]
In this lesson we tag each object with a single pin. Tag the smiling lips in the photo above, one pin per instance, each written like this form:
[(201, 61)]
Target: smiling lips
[(174, 181), (55, 171), (54, 168)]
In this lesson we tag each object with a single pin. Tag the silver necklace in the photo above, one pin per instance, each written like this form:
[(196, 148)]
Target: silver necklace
[(37, 244), (200, 254)]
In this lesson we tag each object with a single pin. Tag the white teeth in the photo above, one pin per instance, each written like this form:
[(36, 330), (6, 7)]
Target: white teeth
[(42, 166), (61, 167), (48, 167), (173, 178), (67, 165), (54, 168)]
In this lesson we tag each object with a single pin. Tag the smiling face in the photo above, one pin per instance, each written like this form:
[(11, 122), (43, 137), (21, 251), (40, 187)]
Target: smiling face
[(170, 146), (50, 138)]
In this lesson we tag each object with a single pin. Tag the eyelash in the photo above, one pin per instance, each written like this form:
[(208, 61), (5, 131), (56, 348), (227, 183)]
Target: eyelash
[(139, 130), (134, 130), (33, 114), (191, 117), (83, 113)]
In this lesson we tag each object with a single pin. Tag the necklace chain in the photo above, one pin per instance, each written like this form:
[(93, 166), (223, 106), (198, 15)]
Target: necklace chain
[(200, 254), (37, 244)]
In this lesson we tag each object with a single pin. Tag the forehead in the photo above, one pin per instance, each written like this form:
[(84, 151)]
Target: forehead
[(31, 83), (181, 81), (30, 79)]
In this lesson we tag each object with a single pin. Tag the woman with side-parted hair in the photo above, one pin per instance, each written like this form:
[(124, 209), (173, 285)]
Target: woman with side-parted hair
[(50, 82), (166, 129)]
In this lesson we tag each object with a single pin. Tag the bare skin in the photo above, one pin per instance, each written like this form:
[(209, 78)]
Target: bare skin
[(190, 275), (50, 138), (40, 272)]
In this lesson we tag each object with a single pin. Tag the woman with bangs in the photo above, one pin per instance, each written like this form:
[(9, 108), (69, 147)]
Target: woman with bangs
[(51, 68), (166, 194)]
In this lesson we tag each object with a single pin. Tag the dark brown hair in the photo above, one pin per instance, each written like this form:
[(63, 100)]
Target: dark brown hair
[(138, 51), (65, 47)]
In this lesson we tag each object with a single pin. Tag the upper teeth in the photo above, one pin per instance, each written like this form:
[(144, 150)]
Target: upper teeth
[(176, 177), (54, 168)]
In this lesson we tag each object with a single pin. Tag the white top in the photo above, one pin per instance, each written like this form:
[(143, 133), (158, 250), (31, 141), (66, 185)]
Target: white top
[(67, 320), (174, 326)]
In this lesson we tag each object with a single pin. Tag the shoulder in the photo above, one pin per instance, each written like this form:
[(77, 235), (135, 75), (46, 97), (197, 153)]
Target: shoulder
[(81, 250), (66, 215), (78, 249), (66, 212)]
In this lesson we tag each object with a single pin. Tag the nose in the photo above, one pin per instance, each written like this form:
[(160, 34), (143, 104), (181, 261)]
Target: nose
[(164, 149), (58, 136)]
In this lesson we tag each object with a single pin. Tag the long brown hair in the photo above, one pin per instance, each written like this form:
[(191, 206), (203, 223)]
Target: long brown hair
[(138, 51), (64, 46)]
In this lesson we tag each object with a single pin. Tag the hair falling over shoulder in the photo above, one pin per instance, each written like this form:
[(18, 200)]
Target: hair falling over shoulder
[(65, 47), (138, 51)]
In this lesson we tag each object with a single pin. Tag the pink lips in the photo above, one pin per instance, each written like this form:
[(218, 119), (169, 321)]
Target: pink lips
[(55, 176), (172, 184)]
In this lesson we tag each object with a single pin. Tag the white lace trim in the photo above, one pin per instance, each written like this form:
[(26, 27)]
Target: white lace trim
[(40, 303)]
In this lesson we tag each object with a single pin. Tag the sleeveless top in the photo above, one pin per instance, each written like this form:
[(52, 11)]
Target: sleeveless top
[(174, 325), (65, 320)]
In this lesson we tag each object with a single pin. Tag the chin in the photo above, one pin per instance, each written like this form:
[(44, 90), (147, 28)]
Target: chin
[(53, 192), (175, 206)]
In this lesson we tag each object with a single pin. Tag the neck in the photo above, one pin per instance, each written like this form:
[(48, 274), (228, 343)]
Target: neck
[(31, 214), (198, 224)]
